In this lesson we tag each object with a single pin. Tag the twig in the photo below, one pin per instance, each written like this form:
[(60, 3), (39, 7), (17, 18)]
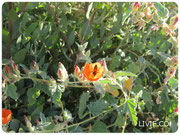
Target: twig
[(92, 17), (23, 8), (125, 121), (10, 27), (54, 15)]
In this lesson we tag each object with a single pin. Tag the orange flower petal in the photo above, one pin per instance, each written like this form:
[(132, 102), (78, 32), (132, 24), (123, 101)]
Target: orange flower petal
[(6, 116), (93, 72)]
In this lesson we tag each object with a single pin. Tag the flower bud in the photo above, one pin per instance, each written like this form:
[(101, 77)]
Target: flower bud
[(103, 63), (173, 23), (135, 7), (8, 71), (37, 122), (28, 123), (15, 68), (150, 4), (35, 65), (62, 73), (176, 110), (171, 72), (77, 71), (166, 29), (174, 60)]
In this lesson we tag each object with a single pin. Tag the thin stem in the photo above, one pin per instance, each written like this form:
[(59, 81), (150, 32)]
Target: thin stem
[(54, 82), (79, 86), (125, 121), (61, 105)]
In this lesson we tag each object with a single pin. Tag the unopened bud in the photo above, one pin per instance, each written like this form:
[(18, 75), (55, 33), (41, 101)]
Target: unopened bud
[(62, 73), (103, 63), (28, 123), (173, 22), (135, 7), (37, 122), (174, 60), (77, 71), (176, 110), (8, 71), (36, 65)]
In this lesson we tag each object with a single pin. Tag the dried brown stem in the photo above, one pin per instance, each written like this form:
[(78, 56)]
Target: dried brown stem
[(10, 27), (54, 14), (85, 10), (23, 8)]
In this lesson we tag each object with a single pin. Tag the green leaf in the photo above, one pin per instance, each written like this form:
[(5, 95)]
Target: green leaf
[(102, 30), (14, 125), (110, 99), (82, 104), (106, 81), (133, 67), (36, 113), (32, 94), (173, 83), (32, 27), (131, 108), (124, 73), (162, 11), (5, 62), (71, 38), (126, 14), (20, 56), (43, 87), (174, 126), (97, 107), (146, 96), (86, 30), (56, 91), (99, 127), (19, 39), (120, 118), (42, 117), (12, 15), (5, 32), (89, 9), (24, 19), (99, 88), (11, 92)]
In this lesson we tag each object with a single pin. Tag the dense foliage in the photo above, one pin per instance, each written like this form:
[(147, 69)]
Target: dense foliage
[(130, 76)]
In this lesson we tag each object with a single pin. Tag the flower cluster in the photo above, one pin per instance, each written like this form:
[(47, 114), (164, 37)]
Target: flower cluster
[(150, 13)]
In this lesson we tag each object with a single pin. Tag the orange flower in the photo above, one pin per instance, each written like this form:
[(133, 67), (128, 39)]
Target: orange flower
[(6, 116), (93, 71)]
